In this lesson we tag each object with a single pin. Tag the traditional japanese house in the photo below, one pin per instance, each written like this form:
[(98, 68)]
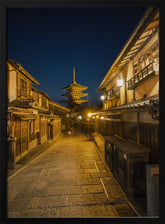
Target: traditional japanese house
[(41, 103), (74, 93), (21, 115), (30, 120), (131, 109), (131, 87)]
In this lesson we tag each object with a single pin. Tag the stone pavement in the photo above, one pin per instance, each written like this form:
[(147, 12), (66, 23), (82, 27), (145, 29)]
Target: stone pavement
[(32, 155), (68, 180)]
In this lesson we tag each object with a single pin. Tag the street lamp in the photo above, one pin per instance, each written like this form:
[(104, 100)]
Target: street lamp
[(102, 98), (68, 115), (79, 123), (89, 116)]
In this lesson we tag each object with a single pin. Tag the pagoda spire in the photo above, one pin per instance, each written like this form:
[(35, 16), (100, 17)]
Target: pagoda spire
[(74, 81)]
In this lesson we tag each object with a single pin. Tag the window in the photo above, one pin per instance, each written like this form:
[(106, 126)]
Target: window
[(36, 97), (44, 102), (22, 88)]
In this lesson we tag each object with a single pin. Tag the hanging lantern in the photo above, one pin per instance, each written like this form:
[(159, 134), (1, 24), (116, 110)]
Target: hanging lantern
[(102, 97), (120, 82)]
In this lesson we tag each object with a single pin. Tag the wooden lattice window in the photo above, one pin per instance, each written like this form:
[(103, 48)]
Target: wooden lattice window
[(44, 102), (23, 88)]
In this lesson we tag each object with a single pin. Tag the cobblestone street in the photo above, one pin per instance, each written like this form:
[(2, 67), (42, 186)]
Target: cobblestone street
[(69, 180)]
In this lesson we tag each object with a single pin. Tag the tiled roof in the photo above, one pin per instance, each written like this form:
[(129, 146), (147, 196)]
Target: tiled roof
[(21, 103), (74, 86), (143, 32), (19, 67)]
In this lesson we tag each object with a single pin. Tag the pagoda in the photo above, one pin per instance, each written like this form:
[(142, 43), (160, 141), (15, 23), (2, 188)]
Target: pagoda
[(74, 93)]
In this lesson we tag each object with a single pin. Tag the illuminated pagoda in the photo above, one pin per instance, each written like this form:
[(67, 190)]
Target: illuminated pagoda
[(74, 93)]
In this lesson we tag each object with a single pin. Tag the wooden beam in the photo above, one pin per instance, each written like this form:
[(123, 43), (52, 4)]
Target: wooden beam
[(152, 25), (123, 62), (137, 44), (130, 55), (144, 37), (134, 49)]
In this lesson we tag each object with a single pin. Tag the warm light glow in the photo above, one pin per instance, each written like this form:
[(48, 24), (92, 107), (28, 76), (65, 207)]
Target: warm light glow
[(80, 117), (67, 115), (120, 82), (102, 97), (89, 114), (93, 117), (101, 117)]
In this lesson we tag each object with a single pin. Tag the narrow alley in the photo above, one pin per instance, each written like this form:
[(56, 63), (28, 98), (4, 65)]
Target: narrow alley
[(68, 180)]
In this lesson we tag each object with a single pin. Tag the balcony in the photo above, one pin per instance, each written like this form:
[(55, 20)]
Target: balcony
[(144, 74), (23, 94)]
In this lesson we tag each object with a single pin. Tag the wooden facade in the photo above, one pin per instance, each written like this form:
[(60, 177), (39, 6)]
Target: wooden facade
[(32, 119), (146, 134), (131, 112), (131, 89)]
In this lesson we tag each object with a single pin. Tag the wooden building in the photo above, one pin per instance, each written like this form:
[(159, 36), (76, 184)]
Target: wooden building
[(31, 119), (131, 88), (131, 113)]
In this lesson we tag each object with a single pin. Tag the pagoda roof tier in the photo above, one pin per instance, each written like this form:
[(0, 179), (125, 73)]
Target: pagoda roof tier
[(75, 95), (80, 101), (75, 101), (75, 86)]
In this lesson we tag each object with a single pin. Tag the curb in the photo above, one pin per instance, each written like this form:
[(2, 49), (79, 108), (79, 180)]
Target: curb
[(33, 160)]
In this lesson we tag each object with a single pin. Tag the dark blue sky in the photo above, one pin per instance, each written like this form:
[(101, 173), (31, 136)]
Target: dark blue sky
[(48, 42)]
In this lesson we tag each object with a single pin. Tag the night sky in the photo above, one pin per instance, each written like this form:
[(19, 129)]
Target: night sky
[(48, 42)]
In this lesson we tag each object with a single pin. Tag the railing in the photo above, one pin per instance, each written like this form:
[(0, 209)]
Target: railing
[(22, 93), (144, 74)]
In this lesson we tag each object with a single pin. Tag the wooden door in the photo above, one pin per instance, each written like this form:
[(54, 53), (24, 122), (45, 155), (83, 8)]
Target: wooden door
[(24, 136), (17, 134)]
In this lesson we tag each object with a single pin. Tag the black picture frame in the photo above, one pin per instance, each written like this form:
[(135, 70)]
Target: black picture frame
[(3, 104)]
